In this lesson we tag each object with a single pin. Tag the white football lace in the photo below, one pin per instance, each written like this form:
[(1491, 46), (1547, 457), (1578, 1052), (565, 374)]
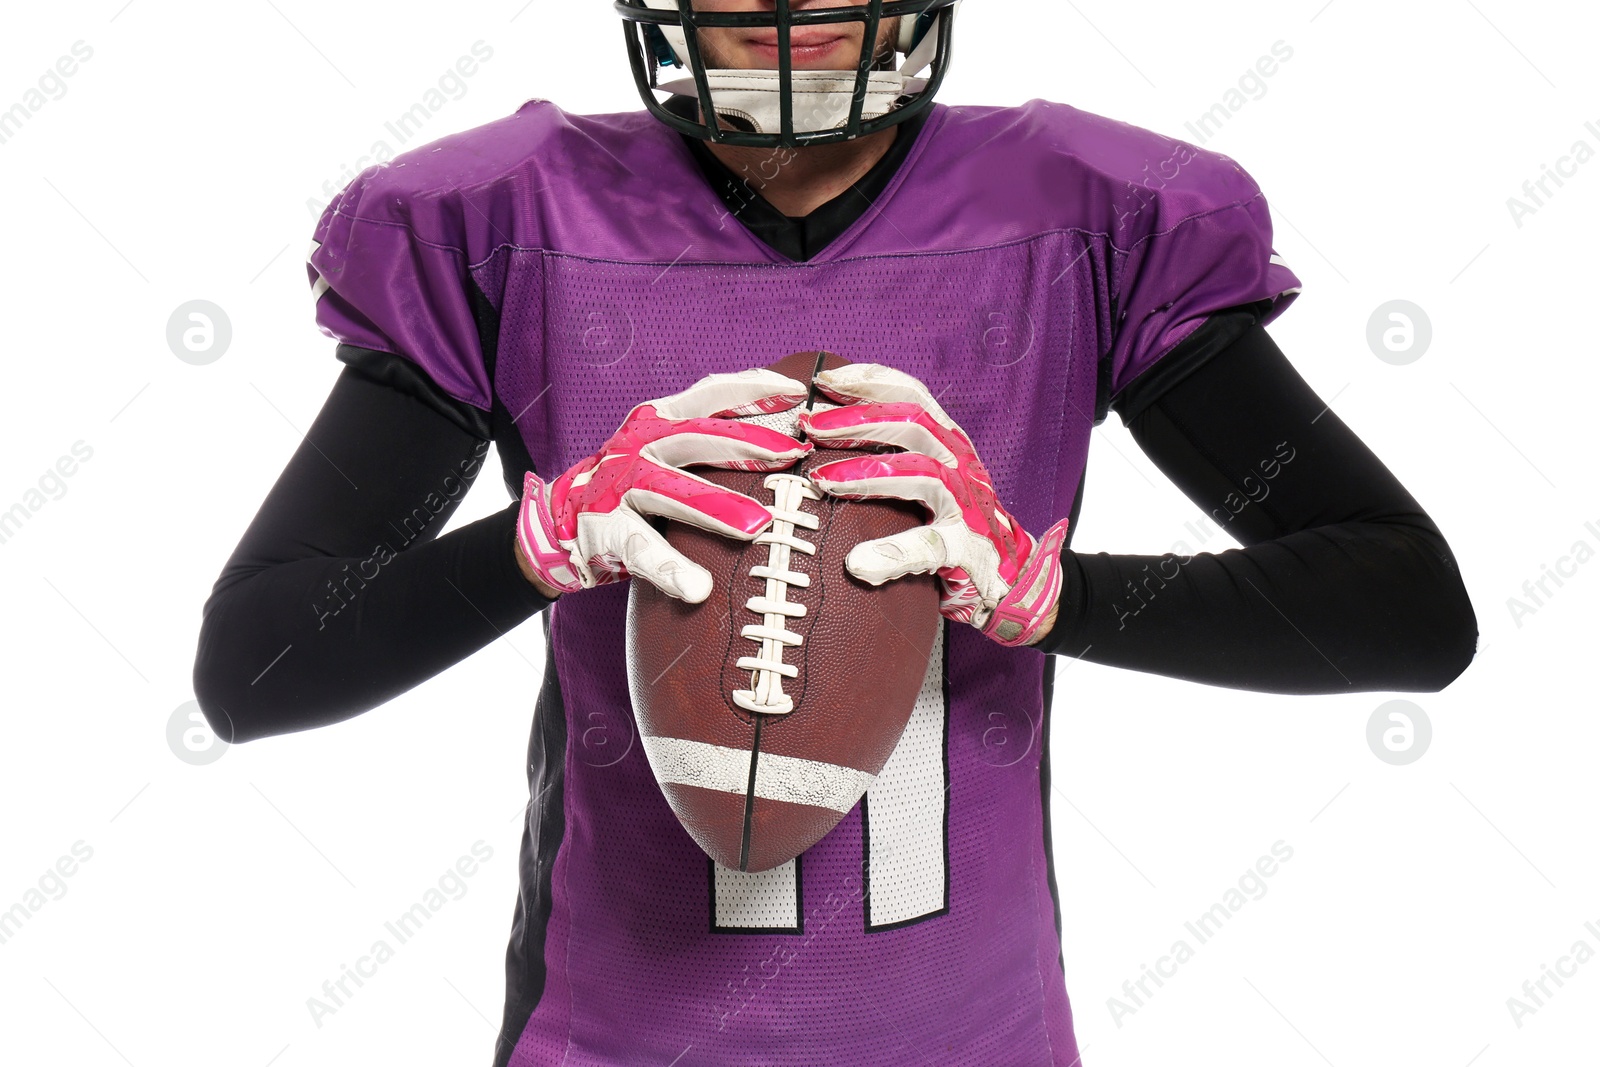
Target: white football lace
[(766, 667)]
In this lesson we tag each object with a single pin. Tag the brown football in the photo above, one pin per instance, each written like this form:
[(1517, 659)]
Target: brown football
[(767, 710)]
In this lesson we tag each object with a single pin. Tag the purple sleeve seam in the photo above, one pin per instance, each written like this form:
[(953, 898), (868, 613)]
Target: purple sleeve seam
[(418, 238), (1190, 218), (1116, 288)]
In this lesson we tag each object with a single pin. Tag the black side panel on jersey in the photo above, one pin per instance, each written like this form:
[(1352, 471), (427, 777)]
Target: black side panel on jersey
[(1044, 800), (514, 458), (544, 826), (1044, 753), (542, 831)]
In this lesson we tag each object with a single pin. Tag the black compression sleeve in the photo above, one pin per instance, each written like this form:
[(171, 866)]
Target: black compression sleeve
[(342, 595), (1344, 584)]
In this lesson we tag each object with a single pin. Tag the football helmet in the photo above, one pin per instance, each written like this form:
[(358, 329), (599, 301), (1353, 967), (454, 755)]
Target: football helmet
[(810, 106)]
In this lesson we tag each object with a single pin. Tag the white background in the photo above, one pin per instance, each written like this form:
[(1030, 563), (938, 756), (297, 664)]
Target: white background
[(178, 165)]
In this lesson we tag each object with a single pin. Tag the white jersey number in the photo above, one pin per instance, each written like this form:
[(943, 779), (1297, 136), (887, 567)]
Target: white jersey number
[(904, 813)]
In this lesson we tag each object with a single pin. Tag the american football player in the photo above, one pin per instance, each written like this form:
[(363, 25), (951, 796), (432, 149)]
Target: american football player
[(585, 292)]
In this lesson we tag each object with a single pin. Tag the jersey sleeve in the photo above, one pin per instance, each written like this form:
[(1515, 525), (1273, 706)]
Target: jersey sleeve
[(1198, 244), (386, 275)]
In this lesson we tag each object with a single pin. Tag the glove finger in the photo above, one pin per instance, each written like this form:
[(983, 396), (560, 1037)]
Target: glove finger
[(947, 549), (875, 383), (907, 476), (625, 537), (898, 425), (724, 443), (684, 498), (751, 392), (922, 550), (648, 555)]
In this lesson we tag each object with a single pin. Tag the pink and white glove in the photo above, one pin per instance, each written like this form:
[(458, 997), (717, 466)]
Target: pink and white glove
[(589, 526), (995, 575)]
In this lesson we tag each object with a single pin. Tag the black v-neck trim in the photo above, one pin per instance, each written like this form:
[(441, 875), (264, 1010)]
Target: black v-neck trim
[(800, 239)]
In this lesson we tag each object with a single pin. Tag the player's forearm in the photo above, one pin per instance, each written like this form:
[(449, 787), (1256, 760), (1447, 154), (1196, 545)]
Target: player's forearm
[(1347, 608), (316, 641)]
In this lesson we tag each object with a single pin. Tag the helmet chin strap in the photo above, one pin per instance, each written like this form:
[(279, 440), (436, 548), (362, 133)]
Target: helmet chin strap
[(822, 98)]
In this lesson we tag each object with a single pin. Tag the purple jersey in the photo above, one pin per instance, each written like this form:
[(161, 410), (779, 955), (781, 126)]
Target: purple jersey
[(1020, 260)]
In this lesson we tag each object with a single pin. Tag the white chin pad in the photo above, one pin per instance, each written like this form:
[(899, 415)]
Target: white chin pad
[(822, 98)]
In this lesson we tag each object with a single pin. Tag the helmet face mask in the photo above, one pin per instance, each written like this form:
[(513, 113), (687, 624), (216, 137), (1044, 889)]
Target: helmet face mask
[(738, 107)]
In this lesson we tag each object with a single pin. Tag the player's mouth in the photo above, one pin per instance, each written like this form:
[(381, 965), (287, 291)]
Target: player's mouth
[(806, 47)]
